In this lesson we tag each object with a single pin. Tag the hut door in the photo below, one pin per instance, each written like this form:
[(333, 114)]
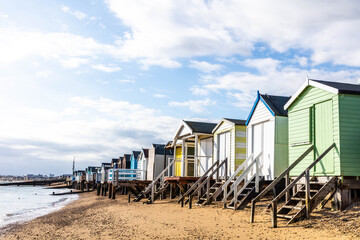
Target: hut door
[(324, 136), (205, 155), (224, 150), (178, 161)]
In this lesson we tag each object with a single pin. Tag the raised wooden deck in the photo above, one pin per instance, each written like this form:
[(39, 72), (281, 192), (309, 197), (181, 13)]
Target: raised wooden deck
[(181, 180)]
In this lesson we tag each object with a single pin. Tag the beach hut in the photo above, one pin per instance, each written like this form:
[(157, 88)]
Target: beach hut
[(120, 162), (158, 159), (104, 171), (115, 163), (267, 133), (142, 163), (189, 136), (126, 161), (133, 159), (323, 148), (229, 142)]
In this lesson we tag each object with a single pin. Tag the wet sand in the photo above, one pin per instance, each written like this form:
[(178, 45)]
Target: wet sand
[(93, 217)]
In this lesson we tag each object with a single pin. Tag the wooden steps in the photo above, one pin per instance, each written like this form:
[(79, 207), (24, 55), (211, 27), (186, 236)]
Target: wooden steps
[(295, 208), (245, 195)]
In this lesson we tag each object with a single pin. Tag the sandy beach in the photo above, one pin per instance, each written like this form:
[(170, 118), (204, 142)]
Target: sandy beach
[(93, 217)]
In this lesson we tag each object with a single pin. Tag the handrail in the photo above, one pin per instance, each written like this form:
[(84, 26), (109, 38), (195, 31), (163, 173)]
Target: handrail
[(241, 177), (237, 171), (213, 172), (286, 173), (277, 198), (197, 182), (282, 175)]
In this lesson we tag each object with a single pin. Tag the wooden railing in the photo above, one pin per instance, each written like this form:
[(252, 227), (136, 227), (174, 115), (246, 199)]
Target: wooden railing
[(197, 183), (286, 174), (246, 167), (306, 174), (208, 179), (159, 179)]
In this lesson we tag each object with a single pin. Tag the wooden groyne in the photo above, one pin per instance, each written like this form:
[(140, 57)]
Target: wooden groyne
[(35, 182), (71, 192)]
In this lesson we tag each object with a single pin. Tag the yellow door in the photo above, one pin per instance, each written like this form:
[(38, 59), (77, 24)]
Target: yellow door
[(178, 161)]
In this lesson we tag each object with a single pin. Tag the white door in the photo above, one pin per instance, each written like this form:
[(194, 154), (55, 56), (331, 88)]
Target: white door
[(224, 150), (205, 155)]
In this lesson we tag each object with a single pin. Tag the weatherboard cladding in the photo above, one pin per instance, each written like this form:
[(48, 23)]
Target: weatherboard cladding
[(301, 128), (133, 162)]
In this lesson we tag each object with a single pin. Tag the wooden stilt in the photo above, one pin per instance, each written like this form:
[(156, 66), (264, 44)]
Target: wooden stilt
[(110, 190)]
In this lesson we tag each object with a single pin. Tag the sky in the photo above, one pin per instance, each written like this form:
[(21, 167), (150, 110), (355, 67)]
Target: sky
[(97, 79)]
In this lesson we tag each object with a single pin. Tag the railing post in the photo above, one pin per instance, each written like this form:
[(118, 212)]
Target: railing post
[(257, 175), (226, 170), (252, 215), (274, 214), (307, 193), (217, 172), (235, 195), (153, 193), (287, 182), (225, 196), (208, 189)]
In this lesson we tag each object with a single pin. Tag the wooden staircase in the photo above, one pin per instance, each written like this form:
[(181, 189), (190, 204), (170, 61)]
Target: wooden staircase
[(245, 195), (206, 184), (212, 194), (302, 194), (156, 187), (295, 208)]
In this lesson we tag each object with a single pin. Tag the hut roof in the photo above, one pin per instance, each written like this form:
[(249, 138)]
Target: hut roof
[(136, 154), (201, 127), (127, 157), (334, 87), (146, 152), (234, 121)]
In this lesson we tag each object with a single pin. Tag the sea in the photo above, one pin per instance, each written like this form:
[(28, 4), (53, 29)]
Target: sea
[(19, 204)]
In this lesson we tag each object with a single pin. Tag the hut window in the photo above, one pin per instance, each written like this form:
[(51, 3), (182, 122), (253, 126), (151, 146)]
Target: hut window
[(300, 127)]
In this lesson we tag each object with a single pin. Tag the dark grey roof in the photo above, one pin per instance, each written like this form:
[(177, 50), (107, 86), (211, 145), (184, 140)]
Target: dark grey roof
[(146, 152), (346, 88), (201, 127), (136, 154), (159, 148), (127, 157), (276, 103), (121, 158), (114, 160), (236, 121)]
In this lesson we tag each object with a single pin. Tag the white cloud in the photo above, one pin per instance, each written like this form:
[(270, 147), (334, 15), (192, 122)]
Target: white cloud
[(177, 29), (197, 106), (160, 95), (78, 14), (69, 49), (43, 74), (168, 63), (92, 129), (125, 81), (199, 91), (271, 76), (205, 66), (109, 68)]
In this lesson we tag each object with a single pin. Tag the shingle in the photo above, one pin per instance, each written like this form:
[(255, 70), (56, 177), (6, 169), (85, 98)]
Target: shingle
[(276, 103), (201, 127), (236, 121), (346, 88)]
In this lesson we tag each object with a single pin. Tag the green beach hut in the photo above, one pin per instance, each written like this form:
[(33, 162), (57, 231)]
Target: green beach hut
[(322, 113)]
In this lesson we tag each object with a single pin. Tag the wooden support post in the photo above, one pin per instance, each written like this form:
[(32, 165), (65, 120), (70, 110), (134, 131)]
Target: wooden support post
[(153, 193), (190, 201), (274, 214), (113, 192), (225, 197), (102, 189), (235, 196), (110, 190), (208, 190), (307, 193), (171, 191), (252, 214), (342, 199), (98, 189), (287, 182)]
